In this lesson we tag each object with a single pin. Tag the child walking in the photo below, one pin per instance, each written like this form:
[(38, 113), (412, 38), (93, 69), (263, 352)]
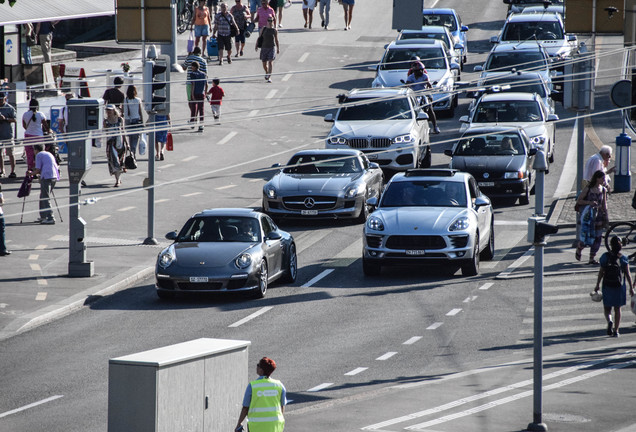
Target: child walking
[(215, 95)]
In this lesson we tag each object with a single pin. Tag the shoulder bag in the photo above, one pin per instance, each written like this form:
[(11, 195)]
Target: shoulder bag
[(130, 162), (232, 27), (578, 207)]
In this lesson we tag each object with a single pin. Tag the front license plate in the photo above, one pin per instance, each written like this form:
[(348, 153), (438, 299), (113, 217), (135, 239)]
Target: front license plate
[(198, 279), (486, 184), (309, 212), (416, 252)]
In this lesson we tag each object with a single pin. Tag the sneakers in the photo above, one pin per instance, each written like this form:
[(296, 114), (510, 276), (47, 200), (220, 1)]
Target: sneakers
[(5, 253), (436, 130), (12, 175), (322, 23), (610, 326), (200, 128), (48, 221)]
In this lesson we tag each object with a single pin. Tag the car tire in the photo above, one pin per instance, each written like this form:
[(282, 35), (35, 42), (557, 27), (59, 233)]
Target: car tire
[(263, 276), (471, 266), (364, 212), (551, 155), (489, 253), (165, 295), (292, 265), (371, 268), (525, 199)]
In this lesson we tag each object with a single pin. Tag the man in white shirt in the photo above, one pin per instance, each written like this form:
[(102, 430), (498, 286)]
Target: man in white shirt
[(598, 162)]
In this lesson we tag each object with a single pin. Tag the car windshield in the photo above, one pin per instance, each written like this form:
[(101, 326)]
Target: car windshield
[(535, 2), (506, 61), (401, 58), (522, 85), (323, 164), (390, 109), (220, 229), (425, 193), (507, 111), (426, 35), (446, 20), (527, 30), (496, 144)]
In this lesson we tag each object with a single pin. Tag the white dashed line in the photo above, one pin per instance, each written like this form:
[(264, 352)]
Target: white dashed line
[(33, 257), (41, 296), (286, 77), (189, 158), (412, 340), (227, 138), (453, 312), (226, 187), (35, 267), (42, 282), (253, 113), (127, 208), (317, 278), (26, 407), (101, 218), (320, 387), (271, 94), (434, 326), (191, 194), (387, 355), (254, 180), (469, 299), (166, 166), (252, 316), (486, 286), (303, 57), (40, 247), (162, 200), (356, 371)]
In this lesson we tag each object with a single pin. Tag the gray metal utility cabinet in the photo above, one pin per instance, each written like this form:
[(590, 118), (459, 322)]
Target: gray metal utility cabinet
[(195, 386)]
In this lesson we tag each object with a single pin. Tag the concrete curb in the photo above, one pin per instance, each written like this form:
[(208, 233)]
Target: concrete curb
[(75, 302)]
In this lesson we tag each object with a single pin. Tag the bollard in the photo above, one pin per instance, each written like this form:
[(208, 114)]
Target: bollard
[(623, 177)]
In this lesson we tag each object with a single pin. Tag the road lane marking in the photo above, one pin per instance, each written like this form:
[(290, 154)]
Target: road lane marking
[(511, 222), (35, 267), (412, 340), (505, 241), (347, 256), (313, 238), (486, 285), (387, 355), (303, 57), (41, 247), (469, 299), (33, 257), (26, 407), (123, 209), (453, 312), (487, 394), (191, 194), (257, 204), (226, 187), (189, 158), (254, 180), (317, 278), (162, 200), (320, 387), (590, 316), (227, 137), (253, 113), (259, 312), (518, 263), (568, 171), (166, 166), (101, 218), (568, 329), (41, 296), (42, 282), (434, 326), (271, 94), (286, 77), (356, 371)]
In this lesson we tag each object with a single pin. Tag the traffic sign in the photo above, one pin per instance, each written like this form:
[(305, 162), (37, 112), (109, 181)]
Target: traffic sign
[(157, 18)]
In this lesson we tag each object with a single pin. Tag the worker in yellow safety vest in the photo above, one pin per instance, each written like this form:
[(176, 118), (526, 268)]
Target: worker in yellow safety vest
[(264, 401)]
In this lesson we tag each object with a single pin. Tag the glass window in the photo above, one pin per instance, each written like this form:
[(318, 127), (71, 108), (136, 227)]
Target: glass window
[(446, 20), (489, 145), (393, 109), (397, 59), (220, 229), (506, 61), (268, 225), (424, 193)]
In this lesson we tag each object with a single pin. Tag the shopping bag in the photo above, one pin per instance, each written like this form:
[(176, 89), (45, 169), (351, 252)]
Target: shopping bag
[(143, 144), (632, 304), (169, 143), (190, 45), (130, 162)]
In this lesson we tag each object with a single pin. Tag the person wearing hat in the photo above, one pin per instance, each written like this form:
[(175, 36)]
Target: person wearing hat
[(418, 81), (264, 401), (114, 95), (7, 120)]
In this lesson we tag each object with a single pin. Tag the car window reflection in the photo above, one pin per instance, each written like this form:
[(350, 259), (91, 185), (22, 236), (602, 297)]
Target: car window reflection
[(220, 229)]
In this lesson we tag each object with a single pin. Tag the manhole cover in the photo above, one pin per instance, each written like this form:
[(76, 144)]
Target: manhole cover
[(564, 418)]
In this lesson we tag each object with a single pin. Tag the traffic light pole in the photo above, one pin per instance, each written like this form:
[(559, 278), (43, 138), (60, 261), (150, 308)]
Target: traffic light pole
[(149, 184)]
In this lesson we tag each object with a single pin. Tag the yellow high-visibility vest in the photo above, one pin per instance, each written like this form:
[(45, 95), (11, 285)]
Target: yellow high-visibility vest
[(265, 413)]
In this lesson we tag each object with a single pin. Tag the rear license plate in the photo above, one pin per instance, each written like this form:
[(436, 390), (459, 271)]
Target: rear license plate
[(416, 252), (198, 279), (486, 184), (309, 212)]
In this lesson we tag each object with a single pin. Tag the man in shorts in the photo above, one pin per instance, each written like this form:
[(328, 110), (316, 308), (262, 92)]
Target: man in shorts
[(7, 120), (224, 23)]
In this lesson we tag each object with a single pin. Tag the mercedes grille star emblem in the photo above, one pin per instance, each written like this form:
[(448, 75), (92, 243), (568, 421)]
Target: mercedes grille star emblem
[(309, 202), (486, 175)]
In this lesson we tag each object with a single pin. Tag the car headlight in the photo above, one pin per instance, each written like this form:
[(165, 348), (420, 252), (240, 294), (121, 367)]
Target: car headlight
[(538, 140), (352, 191), (513, 175), (243, 261), (375, 223), (403, 139), (337, 140), (460, 224), (270, 191), (167, 257)]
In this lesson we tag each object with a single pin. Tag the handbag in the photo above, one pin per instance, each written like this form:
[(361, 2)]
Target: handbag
[(232, 27), (190, 45), (130, 162), (169, 142), (250, 29), (259, 42), (143, 144), (31, 40), (578, 207)]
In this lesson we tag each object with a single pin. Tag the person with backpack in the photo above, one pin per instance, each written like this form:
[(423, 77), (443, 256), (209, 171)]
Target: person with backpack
[(613, 273)]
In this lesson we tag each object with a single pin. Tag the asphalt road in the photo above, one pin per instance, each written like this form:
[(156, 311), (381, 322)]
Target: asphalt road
[(335, 334)]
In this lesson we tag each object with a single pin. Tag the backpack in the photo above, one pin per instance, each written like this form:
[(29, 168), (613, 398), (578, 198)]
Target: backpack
[(613, 276)]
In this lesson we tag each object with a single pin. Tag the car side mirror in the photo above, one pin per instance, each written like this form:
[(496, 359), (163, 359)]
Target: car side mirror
[(494, 39), (276, 165), (329, 118), (374, 67), (454, 66), (422, 115), (571, 38), (464, 28), (373, 165), (172, 235), (274, 235), (448, 152), (532, 151), (552, 117), (482, 201), (478, 68), (373, 202), (459, 46), (464, 119)]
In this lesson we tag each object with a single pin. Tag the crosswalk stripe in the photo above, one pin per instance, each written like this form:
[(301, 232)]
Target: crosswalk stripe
[(561, 318), (563, 330)]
